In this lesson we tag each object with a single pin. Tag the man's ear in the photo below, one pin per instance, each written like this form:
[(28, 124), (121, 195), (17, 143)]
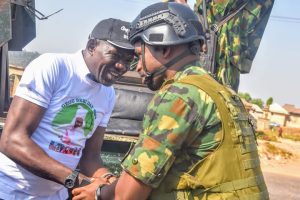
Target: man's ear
[(91, 45), (167, 51)]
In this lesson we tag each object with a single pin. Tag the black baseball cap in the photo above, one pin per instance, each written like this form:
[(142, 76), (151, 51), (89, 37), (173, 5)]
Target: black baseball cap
[(114, 31)]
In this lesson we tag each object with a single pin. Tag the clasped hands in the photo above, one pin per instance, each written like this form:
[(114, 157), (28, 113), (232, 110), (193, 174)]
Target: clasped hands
[(88, 192)]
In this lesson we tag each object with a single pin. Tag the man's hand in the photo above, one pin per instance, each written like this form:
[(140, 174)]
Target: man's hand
[(88, 192)]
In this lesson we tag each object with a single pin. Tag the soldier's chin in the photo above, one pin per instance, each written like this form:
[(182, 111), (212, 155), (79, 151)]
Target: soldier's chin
[(154, 82), (152, 85)]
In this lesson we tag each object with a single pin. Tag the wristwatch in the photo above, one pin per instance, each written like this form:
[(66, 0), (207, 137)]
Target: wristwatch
[(71, 180), (98, 191)]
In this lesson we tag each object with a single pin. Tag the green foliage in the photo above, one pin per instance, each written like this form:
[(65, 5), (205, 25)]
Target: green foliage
[(258, 102), (249, 99), (269, 101), (245, 96)]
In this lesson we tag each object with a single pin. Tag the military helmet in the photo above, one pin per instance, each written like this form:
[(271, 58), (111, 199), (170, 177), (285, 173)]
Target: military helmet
[(166, 24)]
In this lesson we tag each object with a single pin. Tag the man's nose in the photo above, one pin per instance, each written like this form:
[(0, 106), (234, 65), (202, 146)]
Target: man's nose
[(139, 66), (121, 66)]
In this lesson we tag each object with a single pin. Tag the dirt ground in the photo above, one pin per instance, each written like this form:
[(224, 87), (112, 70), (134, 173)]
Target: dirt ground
[(282, 175)]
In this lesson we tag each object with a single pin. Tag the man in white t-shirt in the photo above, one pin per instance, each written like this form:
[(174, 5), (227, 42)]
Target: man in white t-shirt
[(58, 116)]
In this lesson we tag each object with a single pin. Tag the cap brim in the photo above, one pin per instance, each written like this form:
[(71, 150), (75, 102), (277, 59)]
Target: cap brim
[(122, 45)]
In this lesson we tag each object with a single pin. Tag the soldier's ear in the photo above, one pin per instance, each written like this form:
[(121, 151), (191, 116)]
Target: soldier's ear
[(167, 51)]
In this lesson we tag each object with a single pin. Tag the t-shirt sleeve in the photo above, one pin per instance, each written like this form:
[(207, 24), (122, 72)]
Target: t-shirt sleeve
[(39, 80), (111, 104), (166, 122)]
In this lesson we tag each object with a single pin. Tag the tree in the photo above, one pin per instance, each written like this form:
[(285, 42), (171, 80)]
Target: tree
[(269, 101), (258, 102), (245, 96), (248, 98)]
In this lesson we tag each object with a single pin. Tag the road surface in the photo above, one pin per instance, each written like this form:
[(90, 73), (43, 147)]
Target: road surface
[(282, 187)]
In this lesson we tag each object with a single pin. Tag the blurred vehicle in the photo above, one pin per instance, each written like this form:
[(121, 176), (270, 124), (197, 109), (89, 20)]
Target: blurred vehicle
[(273, 125)]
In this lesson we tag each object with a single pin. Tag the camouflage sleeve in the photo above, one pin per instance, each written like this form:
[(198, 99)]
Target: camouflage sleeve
[(239, 38), (166, 122), (257, 18)]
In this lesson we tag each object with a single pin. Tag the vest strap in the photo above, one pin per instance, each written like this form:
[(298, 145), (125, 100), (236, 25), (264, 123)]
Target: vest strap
[(238, 184), (242, 116), (233, 185), (264, 195), (247, 131), (188, 195), (226, 98), (251, 163), (247, 148)]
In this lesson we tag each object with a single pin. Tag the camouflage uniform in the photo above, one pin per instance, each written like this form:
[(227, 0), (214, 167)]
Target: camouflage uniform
[(178, 114), (239, 38)]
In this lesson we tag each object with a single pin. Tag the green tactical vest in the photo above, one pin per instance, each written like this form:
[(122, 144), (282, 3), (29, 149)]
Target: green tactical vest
[(233, 170)]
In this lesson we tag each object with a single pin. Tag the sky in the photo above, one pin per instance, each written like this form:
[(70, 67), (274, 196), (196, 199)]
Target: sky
[(275, 71)]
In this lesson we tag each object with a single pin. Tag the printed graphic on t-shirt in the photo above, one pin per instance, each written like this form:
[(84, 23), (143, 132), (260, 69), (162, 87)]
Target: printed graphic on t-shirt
[(73, 124), (61, 148)]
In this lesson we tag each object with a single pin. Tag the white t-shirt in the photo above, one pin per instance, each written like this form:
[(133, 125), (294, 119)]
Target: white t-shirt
[(75, 106)]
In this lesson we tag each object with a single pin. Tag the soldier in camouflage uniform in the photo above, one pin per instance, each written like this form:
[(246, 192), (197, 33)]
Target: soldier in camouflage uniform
[(238, 39), (197, 141)]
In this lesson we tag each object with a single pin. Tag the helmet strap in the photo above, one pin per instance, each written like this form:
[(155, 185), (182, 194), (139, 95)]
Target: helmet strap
[(164, 67), (148, 74)]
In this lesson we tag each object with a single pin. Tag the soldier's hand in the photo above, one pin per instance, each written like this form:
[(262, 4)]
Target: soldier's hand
[(87, 192)]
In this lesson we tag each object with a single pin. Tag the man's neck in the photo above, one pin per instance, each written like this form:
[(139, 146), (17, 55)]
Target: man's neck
[(85, 53), (170, 73)]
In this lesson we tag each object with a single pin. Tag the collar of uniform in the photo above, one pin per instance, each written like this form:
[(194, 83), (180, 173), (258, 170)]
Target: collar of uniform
[(180, 74)]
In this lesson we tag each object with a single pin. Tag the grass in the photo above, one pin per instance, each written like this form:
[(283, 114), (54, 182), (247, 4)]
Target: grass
[(272, 149), (291, 133), (292, 137), (272, 135), (267, 135)]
